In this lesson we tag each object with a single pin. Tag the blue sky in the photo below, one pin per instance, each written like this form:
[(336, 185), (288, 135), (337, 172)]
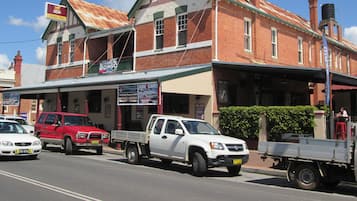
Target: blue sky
[(22, 24)]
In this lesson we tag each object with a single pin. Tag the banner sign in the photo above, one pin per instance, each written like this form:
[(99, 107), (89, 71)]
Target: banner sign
[(327, 64), (56, 12), (138, 94), (11, 98), (108, 66)]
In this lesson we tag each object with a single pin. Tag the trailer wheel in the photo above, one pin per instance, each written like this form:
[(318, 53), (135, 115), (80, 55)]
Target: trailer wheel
[(307, 177), (132, 154), (199, 165)]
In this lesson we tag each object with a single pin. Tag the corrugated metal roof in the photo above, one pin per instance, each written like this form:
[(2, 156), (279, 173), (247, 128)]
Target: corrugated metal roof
[(110, 79), (97, 16)]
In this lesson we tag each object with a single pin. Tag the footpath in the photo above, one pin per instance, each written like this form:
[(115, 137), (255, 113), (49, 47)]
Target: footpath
[(254, 165)]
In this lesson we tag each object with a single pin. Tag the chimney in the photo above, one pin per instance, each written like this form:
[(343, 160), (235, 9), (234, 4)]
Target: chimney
[(17, 68), (314, 20), (339, 33), (256, 3)]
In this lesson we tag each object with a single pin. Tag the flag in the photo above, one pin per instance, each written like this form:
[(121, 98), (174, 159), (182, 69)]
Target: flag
[(327, 65)]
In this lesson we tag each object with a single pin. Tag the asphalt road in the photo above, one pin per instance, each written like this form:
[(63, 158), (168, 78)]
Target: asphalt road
[(86, 176)]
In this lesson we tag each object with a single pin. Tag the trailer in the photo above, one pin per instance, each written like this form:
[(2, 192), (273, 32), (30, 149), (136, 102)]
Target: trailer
[(312, 162)]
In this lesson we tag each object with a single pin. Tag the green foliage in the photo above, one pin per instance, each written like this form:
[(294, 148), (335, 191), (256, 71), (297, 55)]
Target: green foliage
[(243, 122)]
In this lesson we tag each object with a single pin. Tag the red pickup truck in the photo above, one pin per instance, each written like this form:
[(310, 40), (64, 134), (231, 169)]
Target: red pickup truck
[(72, 131)]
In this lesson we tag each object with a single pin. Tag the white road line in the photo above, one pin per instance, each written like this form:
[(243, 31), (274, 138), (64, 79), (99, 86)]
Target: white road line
[(49, 187)]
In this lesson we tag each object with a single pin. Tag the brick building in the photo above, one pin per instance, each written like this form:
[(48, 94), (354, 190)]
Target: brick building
[(189, 58)]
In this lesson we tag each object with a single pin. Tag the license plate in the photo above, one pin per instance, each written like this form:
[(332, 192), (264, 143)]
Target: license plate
[(95, 142), (237, 161), (23, 151)]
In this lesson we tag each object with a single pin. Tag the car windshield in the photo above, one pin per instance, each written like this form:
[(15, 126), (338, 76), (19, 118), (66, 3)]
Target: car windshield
[(199, 127), (77, 121), (11, 127)]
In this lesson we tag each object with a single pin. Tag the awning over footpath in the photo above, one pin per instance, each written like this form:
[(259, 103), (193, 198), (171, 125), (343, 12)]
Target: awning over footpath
[(106, 81), (316, 75)]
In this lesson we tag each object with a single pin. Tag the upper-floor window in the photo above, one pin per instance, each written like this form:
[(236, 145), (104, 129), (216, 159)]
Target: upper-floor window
[(274, 42), (181, 20), (310, 52), (159, 33), (71, 47), (247, 34), (336, 60), (348, 64), (59, 50), (321, 54), (300, 51), (339, 61), (329, 57)]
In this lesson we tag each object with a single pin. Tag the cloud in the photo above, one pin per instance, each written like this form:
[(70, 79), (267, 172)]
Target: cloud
[(4, 61), (38, 25), (119, 5), (351, 34), (41, 55)]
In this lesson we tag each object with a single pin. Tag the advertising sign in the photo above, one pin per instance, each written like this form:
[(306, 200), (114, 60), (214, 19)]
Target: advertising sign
[(56, 12), (138, 94), (108, 66), (11, 99)]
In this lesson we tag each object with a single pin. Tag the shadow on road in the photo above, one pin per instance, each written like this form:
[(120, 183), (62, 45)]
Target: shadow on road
[(80, 152), (176, 167), (343, 188)]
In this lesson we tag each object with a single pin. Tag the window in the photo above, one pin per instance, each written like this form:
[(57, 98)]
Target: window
[(33, 106), (50, 119), (159, 34), (176, 103), (247, 35), (182, 29), (300, 51), (336, 60), (339, 61), (158, 126), (274, 42), (94, 101), (321, 55), (71, 48), (59, 50), (310, 52), (171, 126), (348, 64), (329, 58)]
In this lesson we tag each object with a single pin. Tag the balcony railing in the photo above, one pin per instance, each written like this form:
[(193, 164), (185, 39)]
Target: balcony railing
[(111, 66)]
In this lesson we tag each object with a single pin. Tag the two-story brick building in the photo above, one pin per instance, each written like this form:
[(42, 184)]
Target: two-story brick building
[(189, 58)]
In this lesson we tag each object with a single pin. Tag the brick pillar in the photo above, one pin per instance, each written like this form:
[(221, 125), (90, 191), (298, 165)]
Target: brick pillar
[(110, 47)]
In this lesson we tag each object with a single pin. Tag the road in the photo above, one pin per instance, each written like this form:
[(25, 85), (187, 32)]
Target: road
[(86, 176)]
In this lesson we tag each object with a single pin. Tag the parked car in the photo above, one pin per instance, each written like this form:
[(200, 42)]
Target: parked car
[(72, 131), (15, 141), (29, 128)]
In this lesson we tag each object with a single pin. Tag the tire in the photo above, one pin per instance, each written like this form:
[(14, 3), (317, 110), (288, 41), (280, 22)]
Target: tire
[(68, 147), (307, 177), (199, 165), (234, 170), (166, 162), (99, 150), (132, 155)]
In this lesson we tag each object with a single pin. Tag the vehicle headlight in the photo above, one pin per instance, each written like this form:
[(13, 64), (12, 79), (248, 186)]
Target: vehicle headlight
[(7, 143), (81, 135), (36, 143), (216, 145)]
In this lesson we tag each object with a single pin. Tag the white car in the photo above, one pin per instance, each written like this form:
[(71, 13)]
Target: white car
[(29, 128), (15, 141)]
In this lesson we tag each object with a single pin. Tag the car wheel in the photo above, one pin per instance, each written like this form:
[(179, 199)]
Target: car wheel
[(307, 177), (233, 170), (133, 155), (99, 150), (68, 147), (199, 165)]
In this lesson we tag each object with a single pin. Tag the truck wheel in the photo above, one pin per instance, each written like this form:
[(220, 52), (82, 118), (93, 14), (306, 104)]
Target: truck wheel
[(199, 165), (132, 155), (68, 148), (307, 177), (99, 150), (234, 170)]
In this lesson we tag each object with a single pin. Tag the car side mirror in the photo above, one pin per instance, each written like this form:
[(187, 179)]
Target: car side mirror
[(179, 132)]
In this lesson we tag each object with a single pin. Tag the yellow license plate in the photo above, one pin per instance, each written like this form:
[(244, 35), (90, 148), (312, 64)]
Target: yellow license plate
[(95, 142), (237, 161), (23, 151)]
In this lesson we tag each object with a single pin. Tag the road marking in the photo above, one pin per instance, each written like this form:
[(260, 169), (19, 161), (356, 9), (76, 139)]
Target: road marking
[(49, 187)]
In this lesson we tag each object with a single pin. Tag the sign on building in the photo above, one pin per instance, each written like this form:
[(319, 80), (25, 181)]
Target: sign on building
[(108, 66), (56, 12), (138, 94), (11, 98)]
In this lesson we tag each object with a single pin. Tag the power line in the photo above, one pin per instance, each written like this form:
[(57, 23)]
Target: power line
[(19, 41)]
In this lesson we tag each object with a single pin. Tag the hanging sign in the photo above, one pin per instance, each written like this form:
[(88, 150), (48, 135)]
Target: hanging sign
[(10, 98), (56, 12)]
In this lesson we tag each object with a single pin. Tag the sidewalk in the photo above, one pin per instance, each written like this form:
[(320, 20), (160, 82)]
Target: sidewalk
[(254, 165)]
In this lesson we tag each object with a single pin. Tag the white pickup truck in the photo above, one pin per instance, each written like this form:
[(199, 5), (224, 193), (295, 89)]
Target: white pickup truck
[(191, 141)]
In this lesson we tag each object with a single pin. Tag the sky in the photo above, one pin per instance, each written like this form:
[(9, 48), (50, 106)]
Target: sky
[(22, 24)]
